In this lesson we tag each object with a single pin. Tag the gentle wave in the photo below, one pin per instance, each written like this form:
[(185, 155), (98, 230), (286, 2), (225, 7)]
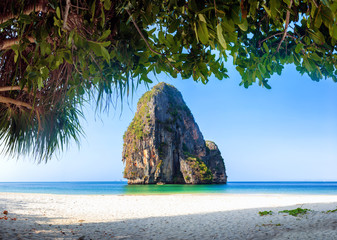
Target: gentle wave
[(104, 188)]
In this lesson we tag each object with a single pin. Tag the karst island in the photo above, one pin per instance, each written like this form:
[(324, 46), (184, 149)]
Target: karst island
[(163, 143)]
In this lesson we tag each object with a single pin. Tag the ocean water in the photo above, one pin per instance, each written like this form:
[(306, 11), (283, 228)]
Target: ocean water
[(121, 188)]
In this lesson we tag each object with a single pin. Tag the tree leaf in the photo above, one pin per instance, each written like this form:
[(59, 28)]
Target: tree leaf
[(196, 31), (265, 46), (265, 84), (262, 68), (105, 54), (39, 82), (334, 31), (107, 4), (307, 65), (58, 13), (105, 44), (318, 20), (274, 7), (244, 25), (104, 35), (298, 47), (221, 38), (16, 56), (202, 18), (267, 10), (315, 57), (228, 26), (96, 48), (203, 33), (317, 36), (45, 48)]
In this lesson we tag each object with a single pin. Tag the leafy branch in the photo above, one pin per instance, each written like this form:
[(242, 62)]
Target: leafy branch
[(286, 25), (147, 43)]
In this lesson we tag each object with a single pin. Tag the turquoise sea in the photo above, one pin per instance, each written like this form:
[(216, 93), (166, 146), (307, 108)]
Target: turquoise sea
[(120, 188)]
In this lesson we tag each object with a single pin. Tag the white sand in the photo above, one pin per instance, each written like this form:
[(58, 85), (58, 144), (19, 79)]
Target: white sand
[(212, 216)]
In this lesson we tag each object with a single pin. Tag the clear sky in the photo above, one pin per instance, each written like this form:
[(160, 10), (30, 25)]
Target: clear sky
[(288, 133)]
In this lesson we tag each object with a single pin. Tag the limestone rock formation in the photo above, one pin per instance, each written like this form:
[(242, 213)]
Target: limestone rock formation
[(163, 143)]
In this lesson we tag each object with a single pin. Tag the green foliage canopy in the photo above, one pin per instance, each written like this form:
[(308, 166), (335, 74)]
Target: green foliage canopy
[(56, 55)]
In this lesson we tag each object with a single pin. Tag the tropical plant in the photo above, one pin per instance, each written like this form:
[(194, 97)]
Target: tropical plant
[(264, 213), (330, 211), (296, 212), (55, 55)]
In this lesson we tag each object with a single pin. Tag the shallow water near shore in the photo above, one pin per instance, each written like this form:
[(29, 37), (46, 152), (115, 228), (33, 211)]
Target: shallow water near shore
[(121, 188)]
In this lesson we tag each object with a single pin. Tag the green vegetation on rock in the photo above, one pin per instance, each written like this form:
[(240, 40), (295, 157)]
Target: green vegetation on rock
[(161, 149), (159, 164), (137, 126), (148, 151), (199, 167)]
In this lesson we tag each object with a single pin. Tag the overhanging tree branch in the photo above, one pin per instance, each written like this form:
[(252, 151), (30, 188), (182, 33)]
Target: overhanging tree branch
[(18, 88), (15, 102), (147, 43), (8, 101), (41, 6), (286, 26), (13, 88), (260, 42), (66, 12), (65, 68), (8, 43), (141, 34)]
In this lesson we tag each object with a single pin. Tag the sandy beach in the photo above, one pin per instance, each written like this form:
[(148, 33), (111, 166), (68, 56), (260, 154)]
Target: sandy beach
[(181, 216)]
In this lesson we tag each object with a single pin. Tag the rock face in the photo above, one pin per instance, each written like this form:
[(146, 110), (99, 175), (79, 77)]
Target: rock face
[(163, 143)]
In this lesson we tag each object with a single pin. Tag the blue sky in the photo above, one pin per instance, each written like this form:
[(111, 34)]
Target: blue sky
[(288, 133)]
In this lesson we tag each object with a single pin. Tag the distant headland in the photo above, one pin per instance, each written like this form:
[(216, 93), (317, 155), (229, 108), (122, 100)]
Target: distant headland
[(163, 143)]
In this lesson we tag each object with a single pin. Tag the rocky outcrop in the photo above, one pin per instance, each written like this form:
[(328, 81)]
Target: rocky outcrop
[(163, 143)]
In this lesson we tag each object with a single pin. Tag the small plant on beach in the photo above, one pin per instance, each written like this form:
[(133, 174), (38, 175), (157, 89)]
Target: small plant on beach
[(264, 213), (331, 211), (296, 212), (270, 224)]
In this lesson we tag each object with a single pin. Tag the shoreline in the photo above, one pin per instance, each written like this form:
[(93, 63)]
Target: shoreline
[(173, 216), (178, 194)]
